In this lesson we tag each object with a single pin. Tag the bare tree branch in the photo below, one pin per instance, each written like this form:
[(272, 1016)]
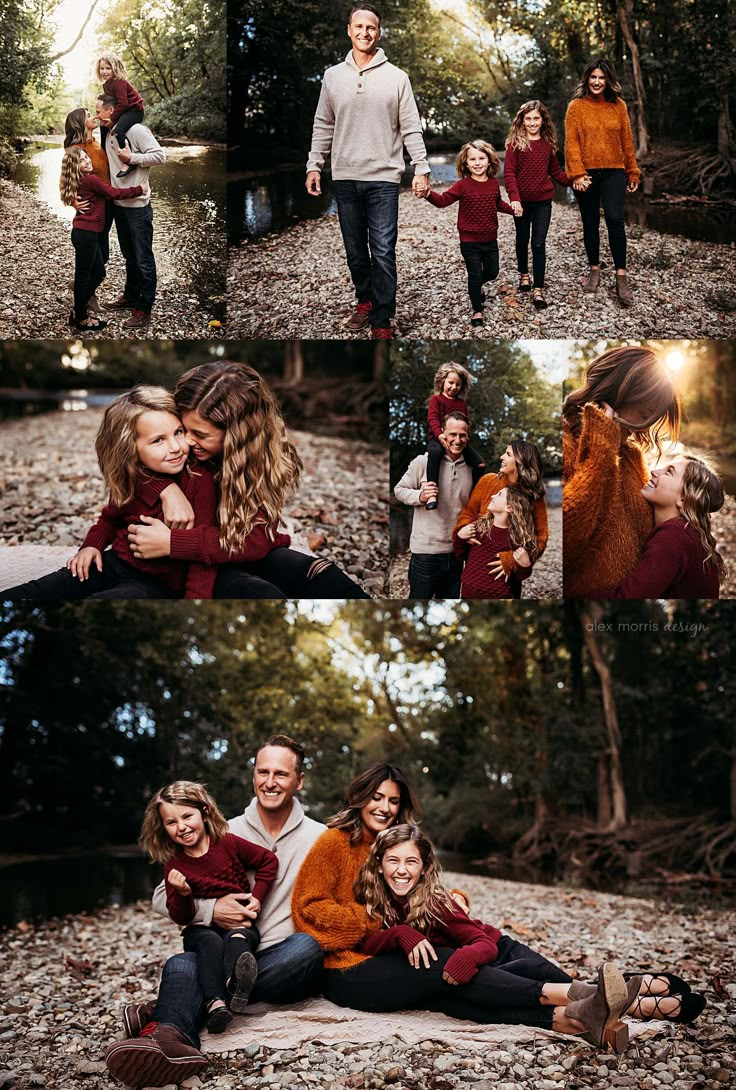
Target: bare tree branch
[(75, 43)]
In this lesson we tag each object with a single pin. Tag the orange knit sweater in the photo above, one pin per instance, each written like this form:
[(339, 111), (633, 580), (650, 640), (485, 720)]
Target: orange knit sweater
[(98, 155), (598, 136), (477, 505), (605, 518), (323, 904)]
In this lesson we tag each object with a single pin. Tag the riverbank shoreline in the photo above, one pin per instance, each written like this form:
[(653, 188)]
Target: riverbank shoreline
[(66, 980)]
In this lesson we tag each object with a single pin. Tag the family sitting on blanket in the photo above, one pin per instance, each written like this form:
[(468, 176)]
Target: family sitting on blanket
[(357, 911)]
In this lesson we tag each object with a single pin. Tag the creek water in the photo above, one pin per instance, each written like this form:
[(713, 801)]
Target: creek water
[(270, 201), (188, 208)]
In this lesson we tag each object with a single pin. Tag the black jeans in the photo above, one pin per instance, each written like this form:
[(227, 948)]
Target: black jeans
[(481, 261), (535, 221), (436, 451), (117, 580), (104, 237), (286, 573), (434, 575), (89, 268), (607, 188), (506, 992), (217, 950), (135, 235), (126, 121), (369, 220)]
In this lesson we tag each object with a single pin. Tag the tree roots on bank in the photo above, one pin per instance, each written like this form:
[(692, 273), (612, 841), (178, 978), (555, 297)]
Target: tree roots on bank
[(704, 171)]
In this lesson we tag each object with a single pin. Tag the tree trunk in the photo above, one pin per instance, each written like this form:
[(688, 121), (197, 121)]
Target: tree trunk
[(590, 616), (733, 787), (724, 125), (624, 9), (380, 363), (293, 363), (603, 815)]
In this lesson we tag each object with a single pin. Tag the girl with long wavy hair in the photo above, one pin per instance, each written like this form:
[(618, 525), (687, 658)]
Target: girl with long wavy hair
[(141, 449), (80, 183), (681, 558), (600, 160), (79, 129), (528, 170), (237, 433), (507, 526), (624, 414), (520, 468)]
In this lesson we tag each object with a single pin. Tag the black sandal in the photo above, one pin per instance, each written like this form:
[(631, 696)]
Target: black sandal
[(525, 283), (538, 300), (91, 326), (677, 986), (692, 1004)]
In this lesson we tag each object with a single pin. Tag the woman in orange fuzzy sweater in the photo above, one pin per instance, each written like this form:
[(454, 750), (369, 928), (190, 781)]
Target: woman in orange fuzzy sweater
[(626, 409), (521, 467), (600, 159)]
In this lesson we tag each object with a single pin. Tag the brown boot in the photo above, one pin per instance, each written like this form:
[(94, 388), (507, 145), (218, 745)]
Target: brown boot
[(601, 1012), (136, 1017), (360, 317), (623, 290), (162, 1055), (594, 279)]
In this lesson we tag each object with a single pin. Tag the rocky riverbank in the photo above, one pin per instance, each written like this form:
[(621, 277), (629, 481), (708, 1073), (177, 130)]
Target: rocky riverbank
[(65, 981), (296, 284)]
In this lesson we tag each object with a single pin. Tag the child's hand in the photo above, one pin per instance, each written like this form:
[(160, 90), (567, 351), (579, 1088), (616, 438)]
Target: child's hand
[(467, 533), (178, 882), (80, 564), (518, 210), (522, 558), (253, 903), (442, 438), (146, 189)]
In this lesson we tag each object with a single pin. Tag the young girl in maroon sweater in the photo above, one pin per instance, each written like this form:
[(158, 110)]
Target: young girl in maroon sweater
[(451, 383), (128, 111), (78, 182), (680, 559), (508, 525), (530, 165), (480, 200), (184, 829)]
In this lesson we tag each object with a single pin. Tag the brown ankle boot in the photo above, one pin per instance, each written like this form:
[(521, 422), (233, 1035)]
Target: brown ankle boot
[(601, 1012), (594, 279), (623, 290)]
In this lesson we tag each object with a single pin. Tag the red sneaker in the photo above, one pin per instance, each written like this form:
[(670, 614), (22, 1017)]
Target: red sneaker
[(382, 333), (359, 319)]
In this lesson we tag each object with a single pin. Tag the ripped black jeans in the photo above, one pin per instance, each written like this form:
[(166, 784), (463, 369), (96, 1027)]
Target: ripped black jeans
[(285, 573), (217, 950)]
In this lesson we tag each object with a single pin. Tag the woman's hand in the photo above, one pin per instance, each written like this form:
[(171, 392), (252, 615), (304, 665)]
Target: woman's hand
[(421, 954), (178, 511), (178, 882), (610, 413), (517, 209), (632, 186), (449, 979), (496, 571), (80, 564), (467, 533), (151, 540), (581, 183), (522, 558)]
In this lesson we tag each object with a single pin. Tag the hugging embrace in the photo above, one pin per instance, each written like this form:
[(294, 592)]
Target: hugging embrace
[(277, 908), (108, 183), (197, 482)]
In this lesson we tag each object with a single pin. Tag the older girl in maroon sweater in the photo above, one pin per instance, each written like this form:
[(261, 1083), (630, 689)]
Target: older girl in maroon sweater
[(78, 182), (507, 526), (530, 165), (480, 200), (184, 829)]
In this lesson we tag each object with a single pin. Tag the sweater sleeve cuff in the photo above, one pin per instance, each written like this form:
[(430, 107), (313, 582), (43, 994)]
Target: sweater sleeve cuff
[(260, 889), (460, 967), (150, 488), (95, 539)]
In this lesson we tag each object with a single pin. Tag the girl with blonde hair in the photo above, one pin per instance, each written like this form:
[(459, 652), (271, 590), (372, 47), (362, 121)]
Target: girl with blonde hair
[(528, 170), (80, 183), (624, 413), (451, 383), (184, 829), (141, 450), (507, 526), (480, 200), (128, 111), (238, 435)]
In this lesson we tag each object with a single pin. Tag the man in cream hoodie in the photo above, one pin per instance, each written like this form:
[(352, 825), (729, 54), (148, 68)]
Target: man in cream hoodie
[(365, 116)]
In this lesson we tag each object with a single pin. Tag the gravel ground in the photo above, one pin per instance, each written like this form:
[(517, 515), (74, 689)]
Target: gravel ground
[(296, 284), (38, 262), (51, 490), (544, 582), (64, 983)]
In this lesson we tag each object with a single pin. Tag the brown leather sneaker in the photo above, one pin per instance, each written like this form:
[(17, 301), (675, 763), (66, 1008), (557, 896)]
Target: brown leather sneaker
[(359, 318), (139, 319), (161, 1055), (136, 1017)]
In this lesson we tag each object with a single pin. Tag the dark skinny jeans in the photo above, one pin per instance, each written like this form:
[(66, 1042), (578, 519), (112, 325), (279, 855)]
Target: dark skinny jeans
[(217, 951), (505, 992), (89, 268), (607, 188), (116, 580), (286, 573), (481, 261), (436, 453), (535, 221)]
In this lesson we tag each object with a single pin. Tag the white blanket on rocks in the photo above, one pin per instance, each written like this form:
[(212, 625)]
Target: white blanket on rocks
[(320, 1020)]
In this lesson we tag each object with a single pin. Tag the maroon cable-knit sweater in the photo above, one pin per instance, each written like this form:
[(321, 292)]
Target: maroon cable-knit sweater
[(93, 189), (196, 579), (476, 942), (672, 565), (528, 174), (126, 97), (439, 407), (221, 870), (476, 581), (480, 203)]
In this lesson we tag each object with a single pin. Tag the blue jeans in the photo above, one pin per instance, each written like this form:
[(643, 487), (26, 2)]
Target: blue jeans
[(287, 973), (135, 235), (434, 575), (369, 221)]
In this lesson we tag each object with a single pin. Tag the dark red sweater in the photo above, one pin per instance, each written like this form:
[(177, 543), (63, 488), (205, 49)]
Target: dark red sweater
[(93, 189), (528, 174), (477, 942), (126, 97), (197, 579), (221, 870), (439, 407), (476, 581), (480, 203), (671, 566)]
